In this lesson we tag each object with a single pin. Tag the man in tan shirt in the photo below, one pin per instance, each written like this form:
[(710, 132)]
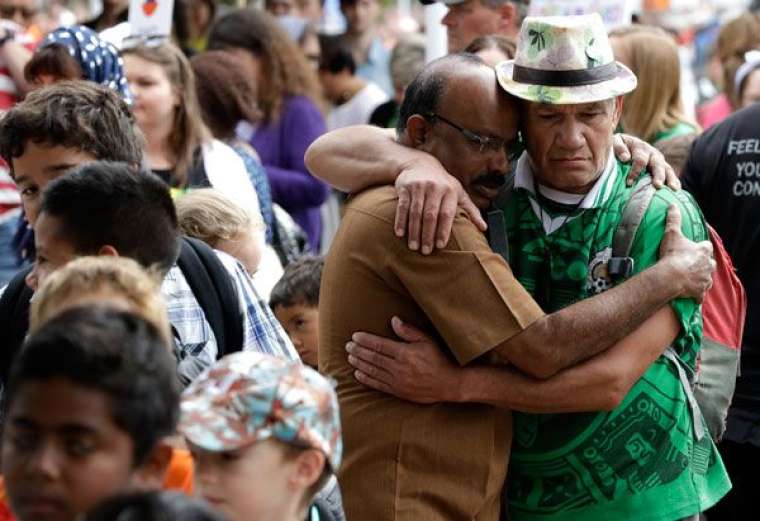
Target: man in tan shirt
[(405, 461)]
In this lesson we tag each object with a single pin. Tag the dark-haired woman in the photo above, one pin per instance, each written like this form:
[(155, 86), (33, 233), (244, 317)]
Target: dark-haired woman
[(289, 98), (179, 147), (227, 96)]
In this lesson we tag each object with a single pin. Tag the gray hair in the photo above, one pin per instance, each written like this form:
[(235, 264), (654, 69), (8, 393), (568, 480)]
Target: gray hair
[(407, 60), (521, 7)]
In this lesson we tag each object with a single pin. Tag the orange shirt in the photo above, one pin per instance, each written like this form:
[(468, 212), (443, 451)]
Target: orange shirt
[(179, 477)]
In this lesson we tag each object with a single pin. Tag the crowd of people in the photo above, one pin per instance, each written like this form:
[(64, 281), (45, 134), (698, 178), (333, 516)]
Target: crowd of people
[(257, 270)]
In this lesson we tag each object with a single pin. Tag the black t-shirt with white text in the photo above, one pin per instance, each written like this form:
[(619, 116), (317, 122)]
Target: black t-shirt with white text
[(723, 174)]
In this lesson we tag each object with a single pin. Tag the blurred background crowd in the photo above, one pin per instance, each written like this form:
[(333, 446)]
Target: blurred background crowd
[(230, 99), (292, 69)]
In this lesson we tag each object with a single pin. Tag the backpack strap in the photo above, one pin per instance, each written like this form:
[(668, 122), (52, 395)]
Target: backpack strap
[(621, 265), (494, 216), (196, 172), (688, 389), (14, 319), (215, 291)]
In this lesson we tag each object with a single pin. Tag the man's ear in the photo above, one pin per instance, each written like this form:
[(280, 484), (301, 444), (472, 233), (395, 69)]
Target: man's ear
[(618, 109), (417, 129), (152, 473), (108, 251), (308, 468)]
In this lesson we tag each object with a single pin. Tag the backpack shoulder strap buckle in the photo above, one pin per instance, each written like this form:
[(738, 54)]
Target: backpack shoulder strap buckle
[(620, 267)]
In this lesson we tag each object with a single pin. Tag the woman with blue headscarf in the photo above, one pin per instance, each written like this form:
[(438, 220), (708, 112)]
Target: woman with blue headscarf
[(77, 53), (70, 53)]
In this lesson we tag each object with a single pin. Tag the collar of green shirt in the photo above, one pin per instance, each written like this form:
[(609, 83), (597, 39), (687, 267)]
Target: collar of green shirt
[(552, 221)]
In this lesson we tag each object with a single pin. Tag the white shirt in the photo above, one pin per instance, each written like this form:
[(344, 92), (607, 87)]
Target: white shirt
[(358, 109), (598, 194), (227, 173)]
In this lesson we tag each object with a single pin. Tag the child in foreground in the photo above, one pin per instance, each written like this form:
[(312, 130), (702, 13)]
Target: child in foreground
[(88, 405), (265, 437)]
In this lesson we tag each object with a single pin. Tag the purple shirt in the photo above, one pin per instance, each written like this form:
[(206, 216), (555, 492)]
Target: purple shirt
[(281, 144)]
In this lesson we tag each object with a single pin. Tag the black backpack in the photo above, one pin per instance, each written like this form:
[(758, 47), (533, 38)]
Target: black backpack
[(207, 277)]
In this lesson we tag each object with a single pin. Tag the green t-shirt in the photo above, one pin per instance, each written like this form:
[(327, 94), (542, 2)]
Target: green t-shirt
[(640, 461), (680, 129)]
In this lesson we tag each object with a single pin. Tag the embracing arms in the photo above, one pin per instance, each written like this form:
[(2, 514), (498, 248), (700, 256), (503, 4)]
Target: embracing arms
[(354, 158), (418, 371), (586, 327)]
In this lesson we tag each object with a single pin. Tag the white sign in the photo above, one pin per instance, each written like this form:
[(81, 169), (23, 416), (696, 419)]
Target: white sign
[(150, 19), (614, 12)]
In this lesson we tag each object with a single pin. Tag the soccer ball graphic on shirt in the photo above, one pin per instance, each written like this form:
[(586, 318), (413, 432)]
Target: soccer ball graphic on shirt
[(599, 279)]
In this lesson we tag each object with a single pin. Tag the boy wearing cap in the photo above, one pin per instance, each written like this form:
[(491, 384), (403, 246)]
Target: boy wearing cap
[(265, 436)]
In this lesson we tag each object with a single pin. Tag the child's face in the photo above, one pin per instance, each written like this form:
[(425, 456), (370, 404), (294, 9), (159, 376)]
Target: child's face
[(62, 452), (248, 484), (301, 322)]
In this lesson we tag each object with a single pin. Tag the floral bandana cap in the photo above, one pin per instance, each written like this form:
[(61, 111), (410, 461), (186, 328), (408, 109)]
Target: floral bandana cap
[(564, 60), (100, 61), (249, 397)]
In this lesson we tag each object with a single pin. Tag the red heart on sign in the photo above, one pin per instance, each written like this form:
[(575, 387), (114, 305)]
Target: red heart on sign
[(150, 7)]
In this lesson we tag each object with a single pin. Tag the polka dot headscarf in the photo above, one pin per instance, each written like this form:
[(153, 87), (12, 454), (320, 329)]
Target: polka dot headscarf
[(100, 61)]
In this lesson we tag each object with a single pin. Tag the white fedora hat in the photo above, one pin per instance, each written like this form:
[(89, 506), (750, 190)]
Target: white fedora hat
[(565, 60)]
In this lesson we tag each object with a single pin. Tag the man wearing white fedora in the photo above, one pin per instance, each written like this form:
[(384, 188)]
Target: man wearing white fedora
[(648, 457)]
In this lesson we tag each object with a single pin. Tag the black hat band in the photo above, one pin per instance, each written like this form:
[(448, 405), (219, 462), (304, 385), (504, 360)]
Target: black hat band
[(571, 78)]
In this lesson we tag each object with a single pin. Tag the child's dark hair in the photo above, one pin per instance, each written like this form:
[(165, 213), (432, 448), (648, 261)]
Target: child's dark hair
[(73, 114), (336, 56), (153, 506), (117, 353), (299, 284), (103, 203)]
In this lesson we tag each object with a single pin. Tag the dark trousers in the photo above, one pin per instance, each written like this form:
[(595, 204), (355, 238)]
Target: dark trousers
[(742, 462)]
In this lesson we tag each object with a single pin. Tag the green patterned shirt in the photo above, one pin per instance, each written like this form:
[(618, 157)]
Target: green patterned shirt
[(640, 461)]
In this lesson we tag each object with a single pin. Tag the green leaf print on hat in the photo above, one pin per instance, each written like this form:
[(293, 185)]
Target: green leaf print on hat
[(593, 54), (540, 39), (543, 94), (564, 60)]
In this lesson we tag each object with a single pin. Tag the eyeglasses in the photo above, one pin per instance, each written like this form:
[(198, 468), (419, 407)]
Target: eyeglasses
[(484, 144), (8, 11)]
